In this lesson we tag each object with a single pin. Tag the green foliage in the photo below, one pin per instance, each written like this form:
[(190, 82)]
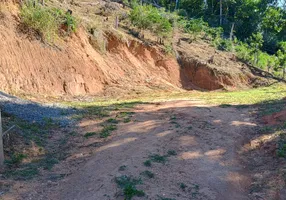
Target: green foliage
[(128, 185), (47, 21), (16, 159), (224, 44), (281, 54), (147, 17), (147, 163), (158, 158)]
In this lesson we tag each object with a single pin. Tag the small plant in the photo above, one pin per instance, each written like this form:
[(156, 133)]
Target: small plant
[(122, 168), (89, 134), (158, 158), (128, 185), (147, 163), (281, 152), (148, 174), (183, 186), (172, 153), (106, 131), (16, 159), (127, 120), (112, 120)]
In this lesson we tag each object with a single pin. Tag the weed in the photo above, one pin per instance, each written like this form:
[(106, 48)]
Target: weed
[(281, 152), (89, 134), (172, 153), (122, 168), (128, 185), (112, 120), (26, 173), (148, 174), (147, 163), (106, 131), (49, 162), (127, 120), (16, 159), (190, 128), (158, 158), (183, 186)]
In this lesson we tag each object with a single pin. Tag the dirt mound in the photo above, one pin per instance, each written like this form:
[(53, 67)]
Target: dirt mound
[(276, 118)]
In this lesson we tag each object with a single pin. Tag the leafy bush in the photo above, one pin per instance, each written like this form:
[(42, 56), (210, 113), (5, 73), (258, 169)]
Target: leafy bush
[(47, 21), (224, 45), (243, 51), (150, 18)]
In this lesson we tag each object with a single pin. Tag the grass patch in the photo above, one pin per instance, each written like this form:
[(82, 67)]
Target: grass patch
[(128, 185), (16, 159), (106, 131), (89, 134), (112, 120), (47, 21), (148, 174), (26, 173), (172, 153), (158, 158), (183, 186), (147, 163)]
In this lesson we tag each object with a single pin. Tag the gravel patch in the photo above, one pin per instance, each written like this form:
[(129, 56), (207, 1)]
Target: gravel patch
[(35, 112)]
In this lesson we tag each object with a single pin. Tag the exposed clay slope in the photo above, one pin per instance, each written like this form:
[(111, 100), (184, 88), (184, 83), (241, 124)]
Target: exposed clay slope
[(224, 71), (75, 68)]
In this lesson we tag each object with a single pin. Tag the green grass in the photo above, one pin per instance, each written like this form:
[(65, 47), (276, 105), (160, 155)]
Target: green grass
[(147, 163), (158, 158), (89, 134), (128, 185), (25, 173), (106, 131), (46, 21), (16, 159)]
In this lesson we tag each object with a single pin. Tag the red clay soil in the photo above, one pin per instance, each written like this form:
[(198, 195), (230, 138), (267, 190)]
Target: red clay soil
[(74, 67), (276, 118)]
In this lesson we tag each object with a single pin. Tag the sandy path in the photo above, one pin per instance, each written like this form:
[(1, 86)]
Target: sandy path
[(205, 138)]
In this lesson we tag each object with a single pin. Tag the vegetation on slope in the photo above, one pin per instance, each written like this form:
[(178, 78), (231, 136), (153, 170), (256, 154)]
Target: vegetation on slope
[(48, 22)]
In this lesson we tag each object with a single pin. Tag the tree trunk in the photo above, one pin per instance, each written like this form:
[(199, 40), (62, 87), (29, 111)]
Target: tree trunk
[(231, 32), (220, 12), (177, 4)]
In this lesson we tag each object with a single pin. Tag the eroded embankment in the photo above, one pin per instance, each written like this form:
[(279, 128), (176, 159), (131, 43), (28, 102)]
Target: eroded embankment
[(74, 67)]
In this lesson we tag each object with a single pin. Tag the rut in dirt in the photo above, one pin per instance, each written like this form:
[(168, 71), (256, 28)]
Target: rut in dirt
[(200, 145)]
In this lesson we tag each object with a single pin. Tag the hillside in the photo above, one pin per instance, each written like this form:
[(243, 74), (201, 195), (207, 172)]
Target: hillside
[(123, 100), (74, 67)]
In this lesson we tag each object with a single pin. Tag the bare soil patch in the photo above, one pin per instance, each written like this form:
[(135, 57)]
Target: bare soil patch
[(178, 150)]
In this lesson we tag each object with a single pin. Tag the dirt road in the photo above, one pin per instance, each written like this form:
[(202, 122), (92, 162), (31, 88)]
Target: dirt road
[(198, 145)]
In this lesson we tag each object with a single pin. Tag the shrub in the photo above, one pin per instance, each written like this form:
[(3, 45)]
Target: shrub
[(224, 45), (150, 18), (47, 21)]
